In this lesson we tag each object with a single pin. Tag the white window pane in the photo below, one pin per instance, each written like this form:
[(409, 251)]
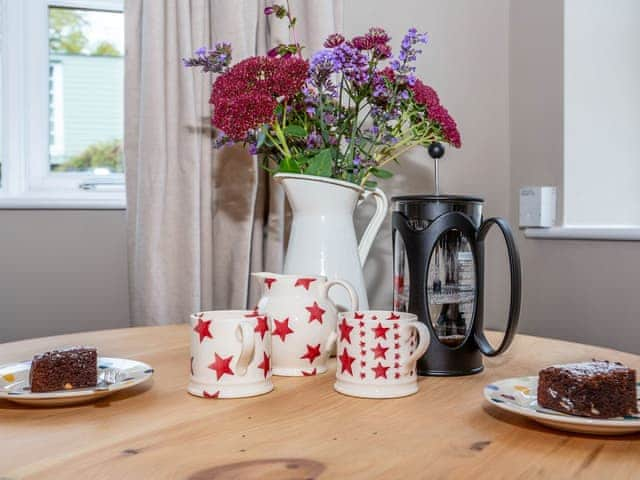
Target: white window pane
[(86, 82), (602, 112)]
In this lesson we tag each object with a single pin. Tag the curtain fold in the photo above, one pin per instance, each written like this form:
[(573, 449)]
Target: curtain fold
[(199, 220)]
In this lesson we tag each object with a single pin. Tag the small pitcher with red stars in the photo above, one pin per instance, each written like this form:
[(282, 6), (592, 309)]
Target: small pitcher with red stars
[(377, 353), (303, 320)]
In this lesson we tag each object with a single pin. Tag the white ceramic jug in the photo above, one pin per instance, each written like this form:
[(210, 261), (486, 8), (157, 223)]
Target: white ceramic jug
[(323, 238), (303, 320)]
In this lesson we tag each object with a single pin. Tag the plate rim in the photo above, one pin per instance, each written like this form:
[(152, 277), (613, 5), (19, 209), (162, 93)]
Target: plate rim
[(553, 417), (92, 391)]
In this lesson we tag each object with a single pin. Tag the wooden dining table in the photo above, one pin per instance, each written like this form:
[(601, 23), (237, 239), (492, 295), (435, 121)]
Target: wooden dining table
[(303, 429)]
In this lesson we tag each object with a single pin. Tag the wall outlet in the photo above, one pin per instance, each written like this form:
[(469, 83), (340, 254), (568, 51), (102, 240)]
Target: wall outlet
[(538, 206)]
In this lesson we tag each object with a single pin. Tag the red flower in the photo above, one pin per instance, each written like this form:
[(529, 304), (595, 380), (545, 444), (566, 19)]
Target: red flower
[(237, 115), (244, 97), (424, 94), (333, 40), (363, 42), (440, 115), (378, 36), (289, 76)]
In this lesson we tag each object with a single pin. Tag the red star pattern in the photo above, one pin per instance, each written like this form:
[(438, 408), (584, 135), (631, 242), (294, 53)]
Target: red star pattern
[(312, 353), (221, 366), (358, 315), (363, 352), (397, 356), (345, 330), (380, 331), (379, 351), (393, 316), (211, 395), (396, 336), (310, 374), (304, 282), (374, 317), (345, 362), (396, 365), (380, 371), (397, 375), (269, 281), (396, 326), (363, 375), (315, 312), (361, 324), (281, 329), (261, 326), (266, 364), (396, 345), (202, 329), (362, 333), (363, 363)]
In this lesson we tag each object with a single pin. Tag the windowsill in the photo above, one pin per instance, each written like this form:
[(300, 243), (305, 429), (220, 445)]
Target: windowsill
[(611, 233), (79, 201)]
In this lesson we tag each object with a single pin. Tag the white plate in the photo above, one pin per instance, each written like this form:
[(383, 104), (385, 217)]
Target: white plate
[(14, 383), (519, 395)]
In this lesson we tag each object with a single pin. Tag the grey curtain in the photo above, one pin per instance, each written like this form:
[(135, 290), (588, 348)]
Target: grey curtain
[(198, 220)]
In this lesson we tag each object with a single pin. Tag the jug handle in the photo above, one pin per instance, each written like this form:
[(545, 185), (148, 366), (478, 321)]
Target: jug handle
[(353, 296), (516, 280), (382, 205)]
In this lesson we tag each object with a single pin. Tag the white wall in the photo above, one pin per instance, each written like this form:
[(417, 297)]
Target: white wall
[(602, 112), (62, 271)]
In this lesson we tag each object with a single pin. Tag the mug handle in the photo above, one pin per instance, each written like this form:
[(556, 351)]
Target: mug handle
[(423, 344), (347, 286), (245, 335), (333, 336)]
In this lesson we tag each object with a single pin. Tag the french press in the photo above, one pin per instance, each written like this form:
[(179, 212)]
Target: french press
[(438, 268)]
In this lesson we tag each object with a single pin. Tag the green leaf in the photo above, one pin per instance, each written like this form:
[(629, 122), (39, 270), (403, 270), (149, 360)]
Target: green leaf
[(295, 131), (381, 173), (370, 184), (288, 165), (321, 164)]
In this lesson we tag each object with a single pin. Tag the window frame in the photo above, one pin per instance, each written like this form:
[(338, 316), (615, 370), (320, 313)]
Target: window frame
[(27, 181)]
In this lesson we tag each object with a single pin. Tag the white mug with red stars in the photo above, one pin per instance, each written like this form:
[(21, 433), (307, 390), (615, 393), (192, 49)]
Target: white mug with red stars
[(303, 320), (377, 353), (230, 354)]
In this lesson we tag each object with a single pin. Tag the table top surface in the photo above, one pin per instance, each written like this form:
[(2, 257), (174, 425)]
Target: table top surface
[(303, 429)]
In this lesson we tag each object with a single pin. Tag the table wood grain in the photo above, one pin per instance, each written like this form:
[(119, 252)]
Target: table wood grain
[(303, 429)]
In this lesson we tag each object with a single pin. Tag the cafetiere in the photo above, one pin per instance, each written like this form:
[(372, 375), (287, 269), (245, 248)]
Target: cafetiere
[(438, 268)]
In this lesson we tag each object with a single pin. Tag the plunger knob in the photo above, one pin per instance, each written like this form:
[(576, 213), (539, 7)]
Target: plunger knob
[(436, 150)]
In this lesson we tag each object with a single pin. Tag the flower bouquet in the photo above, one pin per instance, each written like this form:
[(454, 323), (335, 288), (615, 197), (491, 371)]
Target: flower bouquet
[(345, 113)]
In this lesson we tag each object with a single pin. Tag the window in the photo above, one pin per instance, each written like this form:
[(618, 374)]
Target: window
[(62, 84), (602, 113)]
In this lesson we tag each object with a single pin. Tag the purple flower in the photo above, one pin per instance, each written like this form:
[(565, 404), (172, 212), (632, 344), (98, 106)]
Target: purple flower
[(314, 141), (322, 65), (353, 64), (216, 59), (268, 10), (408, 54)]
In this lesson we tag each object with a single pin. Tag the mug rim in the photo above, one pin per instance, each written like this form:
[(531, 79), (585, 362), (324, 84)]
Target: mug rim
[(225, 315), (382, 314), (289, 276)]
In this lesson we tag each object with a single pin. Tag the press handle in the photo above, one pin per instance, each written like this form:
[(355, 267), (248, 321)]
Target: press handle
[(423, 344), (382, 205), (353, 296), (246, 337), (516, 285)]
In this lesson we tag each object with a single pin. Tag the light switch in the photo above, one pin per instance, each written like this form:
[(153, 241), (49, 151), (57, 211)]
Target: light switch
[(538, 206)]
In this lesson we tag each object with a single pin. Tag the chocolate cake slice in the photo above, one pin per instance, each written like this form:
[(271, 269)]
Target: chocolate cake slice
[(64, 369), (598, 389)]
